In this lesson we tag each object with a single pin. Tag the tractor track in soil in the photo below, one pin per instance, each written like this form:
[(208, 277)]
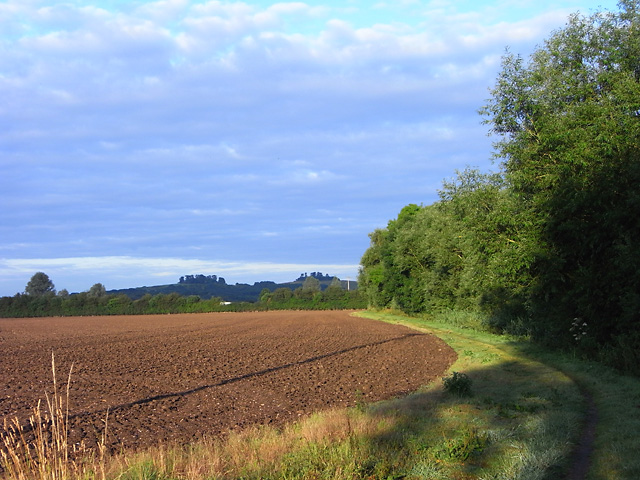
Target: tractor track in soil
[(175, 378)]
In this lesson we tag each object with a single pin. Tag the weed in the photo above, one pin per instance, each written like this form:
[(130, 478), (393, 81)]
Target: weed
[(458, 384), (461, 447), (41, 450), (361, 402)]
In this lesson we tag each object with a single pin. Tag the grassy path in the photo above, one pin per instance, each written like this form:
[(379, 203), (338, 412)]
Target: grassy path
[(616, 398), (603, 432)]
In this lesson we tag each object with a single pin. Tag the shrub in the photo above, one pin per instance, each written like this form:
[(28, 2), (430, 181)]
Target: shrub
[(458, 384)]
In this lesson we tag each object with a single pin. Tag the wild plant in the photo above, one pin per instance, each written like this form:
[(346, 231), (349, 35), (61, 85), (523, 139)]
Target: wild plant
[(458, 384), (40, 449)]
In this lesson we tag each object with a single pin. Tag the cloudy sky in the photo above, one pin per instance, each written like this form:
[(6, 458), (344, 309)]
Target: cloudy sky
[(145, 140)]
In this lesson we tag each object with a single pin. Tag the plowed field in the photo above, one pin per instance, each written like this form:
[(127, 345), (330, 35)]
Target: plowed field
[(170, 378)]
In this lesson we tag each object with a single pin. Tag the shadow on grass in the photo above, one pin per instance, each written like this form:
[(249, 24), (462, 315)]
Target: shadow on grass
[(521, 422)]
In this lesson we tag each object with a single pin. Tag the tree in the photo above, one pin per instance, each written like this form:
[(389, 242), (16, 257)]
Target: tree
[(281, 294), (311, 284), (119, 305), (265, 295), (371, 276), (551, 241), (97, 290), (39, 285), (568, 122), (334, 291)]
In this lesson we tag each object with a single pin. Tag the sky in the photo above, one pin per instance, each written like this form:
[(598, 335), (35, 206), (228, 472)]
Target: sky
[(145, 140)]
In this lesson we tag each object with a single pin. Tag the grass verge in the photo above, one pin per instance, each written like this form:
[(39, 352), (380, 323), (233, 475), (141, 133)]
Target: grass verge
[(617, 400), (504, 411), (616, 396)]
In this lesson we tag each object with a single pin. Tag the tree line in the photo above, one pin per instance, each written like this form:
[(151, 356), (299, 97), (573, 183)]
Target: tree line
[(195, 279), (41, 299), (549, 246), (310, 296), (208, 286)]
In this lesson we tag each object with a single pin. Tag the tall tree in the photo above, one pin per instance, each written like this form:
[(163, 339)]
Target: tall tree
[(569, 127), (551, 242), (311, 284), (40, 284), (97, 290), (334, 291), (371, 277)]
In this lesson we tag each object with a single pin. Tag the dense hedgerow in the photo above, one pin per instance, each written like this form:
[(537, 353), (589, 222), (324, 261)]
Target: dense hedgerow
[(51, 305), (552, 239)]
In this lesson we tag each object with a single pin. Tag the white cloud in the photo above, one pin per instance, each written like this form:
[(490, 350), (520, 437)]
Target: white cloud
[(304, 177)]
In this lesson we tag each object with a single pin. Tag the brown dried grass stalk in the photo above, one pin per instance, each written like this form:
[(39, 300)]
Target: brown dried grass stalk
[(40, 450)]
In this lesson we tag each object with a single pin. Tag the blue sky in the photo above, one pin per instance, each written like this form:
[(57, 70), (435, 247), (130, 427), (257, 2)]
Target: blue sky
[(141, 141)]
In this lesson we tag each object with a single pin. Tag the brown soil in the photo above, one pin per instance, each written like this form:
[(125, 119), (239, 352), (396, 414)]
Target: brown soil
[(173, 378)]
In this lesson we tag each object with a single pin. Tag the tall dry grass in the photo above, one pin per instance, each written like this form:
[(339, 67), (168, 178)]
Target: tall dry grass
[(40, 449), (255, 453)]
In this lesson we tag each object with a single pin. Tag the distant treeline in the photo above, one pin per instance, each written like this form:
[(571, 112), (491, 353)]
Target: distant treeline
[(317, 275), (212, 286), (310, 296), (45, 302), (204, 288), (191, 279)]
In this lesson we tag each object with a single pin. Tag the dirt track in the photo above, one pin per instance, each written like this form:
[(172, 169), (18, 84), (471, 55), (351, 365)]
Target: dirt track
[(168, 378)]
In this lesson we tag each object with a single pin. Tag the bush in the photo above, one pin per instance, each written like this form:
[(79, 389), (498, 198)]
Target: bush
[(458, 384)]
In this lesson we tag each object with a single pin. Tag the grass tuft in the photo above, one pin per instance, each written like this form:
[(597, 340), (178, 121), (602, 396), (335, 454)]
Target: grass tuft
[(40, 450)]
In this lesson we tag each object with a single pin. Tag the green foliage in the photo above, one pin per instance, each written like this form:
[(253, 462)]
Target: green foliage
[(97, 302), (570, 128), (554, 235), (311, 284), (458, 384), (119, 305), (462, 446), (40, 284), (281, 295), (334, 291), (97, 290), (470, 250), (332, 298)]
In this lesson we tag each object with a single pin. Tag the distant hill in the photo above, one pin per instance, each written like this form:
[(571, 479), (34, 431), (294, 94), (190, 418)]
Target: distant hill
[(207, 286)]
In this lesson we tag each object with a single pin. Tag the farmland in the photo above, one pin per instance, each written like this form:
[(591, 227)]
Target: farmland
[(174, 378)]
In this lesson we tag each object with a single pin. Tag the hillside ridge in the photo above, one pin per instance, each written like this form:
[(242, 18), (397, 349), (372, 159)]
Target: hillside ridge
[(208, 286)]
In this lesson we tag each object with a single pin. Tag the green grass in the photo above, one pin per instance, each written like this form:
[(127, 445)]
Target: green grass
[(616, 396), (514, 412), (524, 414), (617, 399)]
